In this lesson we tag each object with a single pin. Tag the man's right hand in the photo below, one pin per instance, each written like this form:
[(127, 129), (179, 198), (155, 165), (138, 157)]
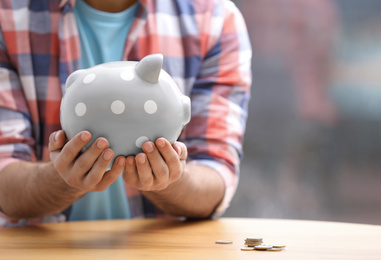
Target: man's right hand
[(85, 171)]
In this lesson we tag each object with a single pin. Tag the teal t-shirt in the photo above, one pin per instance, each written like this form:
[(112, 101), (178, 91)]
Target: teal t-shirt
[(103, 36)]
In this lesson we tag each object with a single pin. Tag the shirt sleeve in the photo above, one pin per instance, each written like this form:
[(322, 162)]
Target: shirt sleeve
[(16, 141), (220, 96)]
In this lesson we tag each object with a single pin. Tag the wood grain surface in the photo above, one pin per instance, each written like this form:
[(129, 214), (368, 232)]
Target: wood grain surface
[(172, 239)]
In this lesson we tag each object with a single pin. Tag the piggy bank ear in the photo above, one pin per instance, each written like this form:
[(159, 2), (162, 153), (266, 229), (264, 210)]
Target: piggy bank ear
[(72, 78), (149, 67)]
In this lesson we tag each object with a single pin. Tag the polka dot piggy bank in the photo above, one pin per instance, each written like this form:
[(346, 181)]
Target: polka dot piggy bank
[(126, 102)]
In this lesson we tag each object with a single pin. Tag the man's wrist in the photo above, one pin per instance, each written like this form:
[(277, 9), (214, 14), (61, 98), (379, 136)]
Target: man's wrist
[(48, 171)]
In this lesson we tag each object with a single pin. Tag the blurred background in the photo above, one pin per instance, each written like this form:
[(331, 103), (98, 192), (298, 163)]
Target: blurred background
[(313, 140)]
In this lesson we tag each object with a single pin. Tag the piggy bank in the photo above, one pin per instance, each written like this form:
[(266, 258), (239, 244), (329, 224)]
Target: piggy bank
[(127, 102)]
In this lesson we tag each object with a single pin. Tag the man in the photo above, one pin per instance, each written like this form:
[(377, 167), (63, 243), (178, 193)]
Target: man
[(207, 52)]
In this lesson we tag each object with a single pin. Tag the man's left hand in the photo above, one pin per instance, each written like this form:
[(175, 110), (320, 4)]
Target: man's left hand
[(160, 165)]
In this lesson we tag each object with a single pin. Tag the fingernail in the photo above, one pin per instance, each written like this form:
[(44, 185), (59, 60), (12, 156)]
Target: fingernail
[(107, 155), (160, 142), (101, 144), (178, 149), (148, 147), (121, 161), (56, 136), (141, 159), (130, 160), (85, 136)]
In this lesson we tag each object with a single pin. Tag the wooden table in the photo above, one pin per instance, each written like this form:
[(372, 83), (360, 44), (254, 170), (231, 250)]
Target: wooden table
[(172, 239)]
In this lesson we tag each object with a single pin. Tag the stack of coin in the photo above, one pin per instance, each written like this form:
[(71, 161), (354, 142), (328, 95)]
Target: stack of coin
[(253, 241), (256, 243)]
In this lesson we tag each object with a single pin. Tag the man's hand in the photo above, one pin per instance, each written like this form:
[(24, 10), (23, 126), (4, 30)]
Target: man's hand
[(160, 165), (85, 171), (44, 188), (179, 189)]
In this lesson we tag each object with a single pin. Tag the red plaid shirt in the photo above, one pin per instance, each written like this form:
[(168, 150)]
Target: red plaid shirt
[(206, 50)]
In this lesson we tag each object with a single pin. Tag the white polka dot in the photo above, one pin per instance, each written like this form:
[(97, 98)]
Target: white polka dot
[(80, 109), (141, 140), (89, 78), (150, 106), (127, 75), (118, 107)]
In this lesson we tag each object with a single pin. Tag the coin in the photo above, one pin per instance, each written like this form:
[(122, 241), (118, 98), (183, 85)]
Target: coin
[(254, 239), (224, 242), (263, 247), (253, 244), (275, 249), (246, 248), (279, 246)]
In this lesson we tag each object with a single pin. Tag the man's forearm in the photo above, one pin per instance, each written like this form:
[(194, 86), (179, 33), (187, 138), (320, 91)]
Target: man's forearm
[(30, 190), (195, 195)]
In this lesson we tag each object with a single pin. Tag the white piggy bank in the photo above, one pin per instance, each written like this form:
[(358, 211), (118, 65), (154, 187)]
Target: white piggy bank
[(126, 102)]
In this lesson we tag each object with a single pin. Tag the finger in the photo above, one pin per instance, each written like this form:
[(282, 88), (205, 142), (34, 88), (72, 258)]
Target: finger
[(112, 175), (171, 158), (145, 175), (181, 150), (71, 150), (56, 140), (98, 169), (87, 159), (158, 165), (130, 174)]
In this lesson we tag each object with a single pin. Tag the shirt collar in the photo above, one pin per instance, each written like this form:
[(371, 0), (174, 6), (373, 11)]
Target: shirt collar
[(72, 2)]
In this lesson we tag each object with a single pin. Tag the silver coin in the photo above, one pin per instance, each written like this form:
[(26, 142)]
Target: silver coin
[(224, 242), (246, 248), (275, 249), (263, 247), (254, 239)]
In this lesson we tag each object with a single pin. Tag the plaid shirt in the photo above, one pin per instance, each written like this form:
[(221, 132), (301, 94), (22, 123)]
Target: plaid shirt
[(206, 50)]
